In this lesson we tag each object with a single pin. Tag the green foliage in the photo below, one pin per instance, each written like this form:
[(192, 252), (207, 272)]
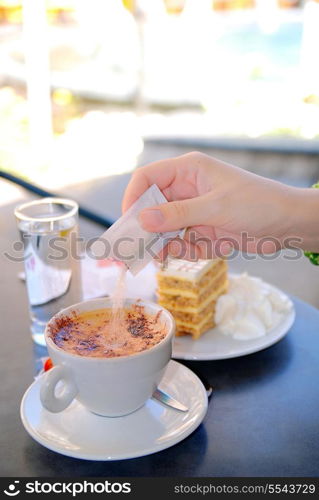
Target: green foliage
[(312, 256)]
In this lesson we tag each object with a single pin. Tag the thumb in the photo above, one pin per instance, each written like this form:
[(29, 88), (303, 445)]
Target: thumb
[(174, 215)]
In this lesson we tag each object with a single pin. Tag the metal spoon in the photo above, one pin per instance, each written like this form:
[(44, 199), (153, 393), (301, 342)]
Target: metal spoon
[(167, 400)]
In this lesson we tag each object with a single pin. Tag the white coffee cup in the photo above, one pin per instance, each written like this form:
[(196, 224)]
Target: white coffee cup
[(106, 386)]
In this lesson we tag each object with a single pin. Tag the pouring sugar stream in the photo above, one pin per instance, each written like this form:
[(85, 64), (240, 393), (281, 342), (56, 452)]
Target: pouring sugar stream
[(132, 248)]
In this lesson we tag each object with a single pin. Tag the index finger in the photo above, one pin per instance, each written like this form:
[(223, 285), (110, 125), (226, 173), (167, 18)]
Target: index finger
[(161, 172)]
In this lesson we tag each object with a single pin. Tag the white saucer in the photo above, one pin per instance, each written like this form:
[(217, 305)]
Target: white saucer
[(76, 432), (213, 344)]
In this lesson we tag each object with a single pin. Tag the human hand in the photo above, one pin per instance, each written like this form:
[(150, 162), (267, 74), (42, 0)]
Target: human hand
[(222, 206)]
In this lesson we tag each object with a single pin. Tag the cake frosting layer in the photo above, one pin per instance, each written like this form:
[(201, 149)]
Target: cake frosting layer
[(188, 270), (190, 287)]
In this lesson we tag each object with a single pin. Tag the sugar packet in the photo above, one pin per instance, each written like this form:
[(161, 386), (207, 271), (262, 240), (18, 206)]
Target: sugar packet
[(128, 242)]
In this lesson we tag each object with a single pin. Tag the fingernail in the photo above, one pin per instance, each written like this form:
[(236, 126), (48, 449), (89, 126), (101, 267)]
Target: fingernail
[(174, 248), (225, 249), (151, 218)]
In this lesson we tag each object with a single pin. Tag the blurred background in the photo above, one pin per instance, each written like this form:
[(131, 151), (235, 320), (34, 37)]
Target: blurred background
[(91, 89)]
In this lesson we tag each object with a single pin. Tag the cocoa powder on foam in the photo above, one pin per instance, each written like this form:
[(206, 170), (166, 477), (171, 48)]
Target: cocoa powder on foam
[(86, 334)]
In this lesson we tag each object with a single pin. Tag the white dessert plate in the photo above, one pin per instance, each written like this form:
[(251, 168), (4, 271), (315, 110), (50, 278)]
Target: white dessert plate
[(213, 344), (77, 433)]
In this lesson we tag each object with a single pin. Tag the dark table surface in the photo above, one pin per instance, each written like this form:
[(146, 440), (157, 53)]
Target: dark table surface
[(263, 418)]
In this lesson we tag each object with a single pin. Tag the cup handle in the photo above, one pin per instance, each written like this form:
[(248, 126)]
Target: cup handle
[(48, 397)]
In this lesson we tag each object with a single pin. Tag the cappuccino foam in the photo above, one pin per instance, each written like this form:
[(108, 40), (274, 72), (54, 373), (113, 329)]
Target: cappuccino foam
[(83, 334)]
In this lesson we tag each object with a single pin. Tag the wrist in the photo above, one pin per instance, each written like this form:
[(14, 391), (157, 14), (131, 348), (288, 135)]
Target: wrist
[(303, 209)]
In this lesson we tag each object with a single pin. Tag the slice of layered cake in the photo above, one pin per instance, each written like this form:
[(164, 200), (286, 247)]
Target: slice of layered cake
[(189, 290)]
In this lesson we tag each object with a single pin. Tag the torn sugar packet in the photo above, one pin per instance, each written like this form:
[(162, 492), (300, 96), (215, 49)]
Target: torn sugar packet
[(128, 242)]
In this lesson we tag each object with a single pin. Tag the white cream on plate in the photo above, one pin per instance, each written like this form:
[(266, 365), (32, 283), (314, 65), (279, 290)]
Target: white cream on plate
[(250, 308)]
